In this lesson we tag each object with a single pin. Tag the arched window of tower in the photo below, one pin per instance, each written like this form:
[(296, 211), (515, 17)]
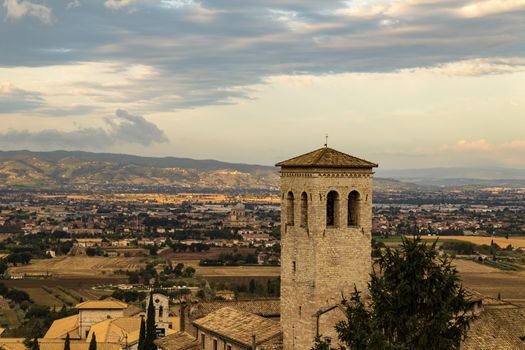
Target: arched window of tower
[(304, 210), (332, 209), (290, 209), (353, 208)]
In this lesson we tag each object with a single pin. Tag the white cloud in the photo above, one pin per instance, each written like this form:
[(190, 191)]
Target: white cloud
[(73, 4), (16, 10), (490, 7), (477, 67), (118, 4), (484, 146)]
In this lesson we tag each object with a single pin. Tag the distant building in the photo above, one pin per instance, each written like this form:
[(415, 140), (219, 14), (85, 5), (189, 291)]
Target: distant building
[(238, 217)]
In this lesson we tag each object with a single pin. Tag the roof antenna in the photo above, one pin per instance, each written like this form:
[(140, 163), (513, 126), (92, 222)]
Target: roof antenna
[(326, 140)]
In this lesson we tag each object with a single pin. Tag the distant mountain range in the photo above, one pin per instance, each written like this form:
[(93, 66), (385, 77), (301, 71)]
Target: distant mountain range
[(458, 177), (86, 170), (59, 169)]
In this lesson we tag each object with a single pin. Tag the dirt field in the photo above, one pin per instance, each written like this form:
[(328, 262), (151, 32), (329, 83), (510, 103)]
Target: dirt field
[(78, 266), (212, 253), (42, 297), (490, 281), (517, 242)]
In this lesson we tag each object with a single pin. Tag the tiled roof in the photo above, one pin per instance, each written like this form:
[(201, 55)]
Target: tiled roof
[(497, 329), (326, 157), (61, 327), (272, 344), (102, 304), (54, 344), (177, 341), (261, 307), (12, 344), (239, 326), (116, 330), (132, 310)]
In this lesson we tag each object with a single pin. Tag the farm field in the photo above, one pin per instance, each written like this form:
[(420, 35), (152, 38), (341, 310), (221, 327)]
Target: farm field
[(516, 242), (79, 266), (8, 315), (233, 271), (42, 297), (212, 253), (490, 281), (79, 287)]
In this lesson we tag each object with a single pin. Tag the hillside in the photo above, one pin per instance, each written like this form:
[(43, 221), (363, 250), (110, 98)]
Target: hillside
[(90, 171), (62, 169)]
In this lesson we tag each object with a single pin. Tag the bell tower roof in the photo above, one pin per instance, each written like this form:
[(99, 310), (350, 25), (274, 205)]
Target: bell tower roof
[(326, 157)]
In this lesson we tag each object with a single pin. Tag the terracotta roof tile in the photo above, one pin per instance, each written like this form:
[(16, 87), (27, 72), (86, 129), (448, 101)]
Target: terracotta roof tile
[(102, 304), (177, 341), (61, 327), (261, 307), (497, 329), (326, 157), (239, 326)]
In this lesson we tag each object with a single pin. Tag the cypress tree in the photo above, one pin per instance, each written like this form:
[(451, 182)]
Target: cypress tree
[(67, 345), (35, 345), (151, 329), (93, 342), (142, 334)]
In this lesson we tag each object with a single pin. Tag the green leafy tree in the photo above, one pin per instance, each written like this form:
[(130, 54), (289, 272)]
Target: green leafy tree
[(416, 303), (142, 334), (67, 343), (151, 329), (93, 342)]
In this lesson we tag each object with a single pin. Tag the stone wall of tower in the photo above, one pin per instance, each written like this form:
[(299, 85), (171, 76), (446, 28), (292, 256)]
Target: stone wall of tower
[(318, 263)]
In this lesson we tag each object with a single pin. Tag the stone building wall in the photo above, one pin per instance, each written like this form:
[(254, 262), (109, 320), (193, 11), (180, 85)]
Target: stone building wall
[(319, 263), (222, 344), (90, 317)]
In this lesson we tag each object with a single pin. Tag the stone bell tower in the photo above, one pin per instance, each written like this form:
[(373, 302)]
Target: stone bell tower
[(326, 219)]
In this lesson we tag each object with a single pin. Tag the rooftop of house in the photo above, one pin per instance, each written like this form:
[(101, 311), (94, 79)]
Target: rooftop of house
[(116, 330), (61, 327), (326, 157), (178, 341), (106, 304), (261, 307), (497, 329), (54, 344), (239, 326)]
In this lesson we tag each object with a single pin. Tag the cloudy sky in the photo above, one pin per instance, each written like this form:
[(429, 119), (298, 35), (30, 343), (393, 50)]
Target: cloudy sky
[(406, 83)]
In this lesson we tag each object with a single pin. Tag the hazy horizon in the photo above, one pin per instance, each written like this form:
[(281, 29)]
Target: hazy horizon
[(379, 170)]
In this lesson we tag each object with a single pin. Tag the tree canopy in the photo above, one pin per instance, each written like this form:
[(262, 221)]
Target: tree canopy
[(416, 302)]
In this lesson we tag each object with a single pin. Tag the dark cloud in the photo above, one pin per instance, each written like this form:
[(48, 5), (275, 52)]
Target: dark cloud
[(207, 52), (122, 128)]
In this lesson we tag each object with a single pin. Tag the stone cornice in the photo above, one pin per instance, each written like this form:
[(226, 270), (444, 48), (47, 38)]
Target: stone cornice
[(328, 174)]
